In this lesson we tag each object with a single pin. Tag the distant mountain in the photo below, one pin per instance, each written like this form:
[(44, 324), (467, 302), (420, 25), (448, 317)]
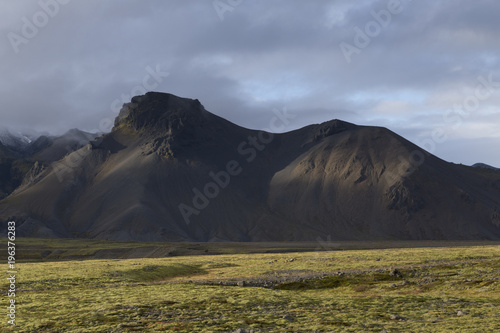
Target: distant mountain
[(19, 154), (15, 141), (172, 171), (6, 152), (484, 166), (53, 148), (12, 169)]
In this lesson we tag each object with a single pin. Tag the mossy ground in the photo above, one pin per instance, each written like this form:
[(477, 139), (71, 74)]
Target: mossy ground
[(334, 291)]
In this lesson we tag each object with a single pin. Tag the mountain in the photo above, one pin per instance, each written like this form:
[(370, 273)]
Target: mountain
[(15, 141), (53, 148), (9, 178), (484, 166), (12, 169), (172, 171), (21, 156)]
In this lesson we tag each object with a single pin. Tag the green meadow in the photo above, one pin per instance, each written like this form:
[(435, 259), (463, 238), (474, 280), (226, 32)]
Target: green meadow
[(65, 286)]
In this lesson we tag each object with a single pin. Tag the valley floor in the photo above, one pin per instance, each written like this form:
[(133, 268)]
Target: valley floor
[(333, 287)]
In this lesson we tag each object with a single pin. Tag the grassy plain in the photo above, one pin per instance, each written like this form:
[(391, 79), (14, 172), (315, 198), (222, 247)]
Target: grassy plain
[(452, 288)]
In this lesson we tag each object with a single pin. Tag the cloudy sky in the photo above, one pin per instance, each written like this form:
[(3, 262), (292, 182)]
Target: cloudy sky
[(426, 69)]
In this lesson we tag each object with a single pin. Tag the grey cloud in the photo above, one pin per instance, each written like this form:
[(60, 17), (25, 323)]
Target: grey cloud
[(263, 55)]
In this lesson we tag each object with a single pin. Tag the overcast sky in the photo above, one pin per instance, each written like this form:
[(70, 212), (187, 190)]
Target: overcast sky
[(426, 69)]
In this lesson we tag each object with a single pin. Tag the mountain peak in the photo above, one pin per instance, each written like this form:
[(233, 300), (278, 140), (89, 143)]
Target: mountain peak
[(484, 166), (170, 171), (161, 111), (16, 140), (331, 127), (168, 124)]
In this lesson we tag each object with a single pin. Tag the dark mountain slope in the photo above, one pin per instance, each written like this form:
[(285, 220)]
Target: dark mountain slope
[(21, 163), (12, 170), (170, 170)]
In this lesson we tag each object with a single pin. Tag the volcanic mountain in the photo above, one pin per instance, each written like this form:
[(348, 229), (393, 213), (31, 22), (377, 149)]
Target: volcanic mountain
[(172, 171), (20, 157)]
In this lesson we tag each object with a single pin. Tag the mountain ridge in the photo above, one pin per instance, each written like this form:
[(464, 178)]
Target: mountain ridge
[(171, 170), (484, 166), (19, 163)]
